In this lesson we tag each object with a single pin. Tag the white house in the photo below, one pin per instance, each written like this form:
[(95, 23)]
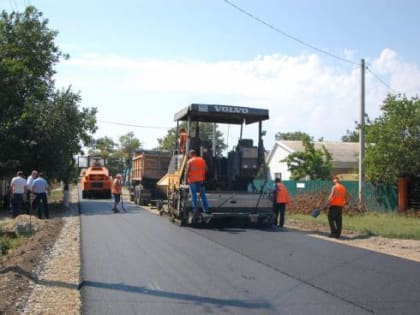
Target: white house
[(345, 156)]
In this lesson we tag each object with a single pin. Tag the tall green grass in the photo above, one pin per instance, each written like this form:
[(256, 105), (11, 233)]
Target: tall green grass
[(390, 225), (9, 243), (56, 195)]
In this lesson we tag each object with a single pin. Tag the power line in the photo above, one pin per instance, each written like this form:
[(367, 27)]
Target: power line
[(132, 125), (305, 43), (288, 35), (380, 80)]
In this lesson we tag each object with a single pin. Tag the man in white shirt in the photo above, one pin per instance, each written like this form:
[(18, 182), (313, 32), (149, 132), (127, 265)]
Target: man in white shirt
[(29, 182), (17, 190), (39, 189)]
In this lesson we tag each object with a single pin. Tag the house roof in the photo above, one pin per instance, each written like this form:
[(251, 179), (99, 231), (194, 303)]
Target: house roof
[(344, 154)]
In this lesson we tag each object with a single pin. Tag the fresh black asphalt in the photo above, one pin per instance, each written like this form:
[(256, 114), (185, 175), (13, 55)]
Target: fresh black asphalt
[(140, 263)]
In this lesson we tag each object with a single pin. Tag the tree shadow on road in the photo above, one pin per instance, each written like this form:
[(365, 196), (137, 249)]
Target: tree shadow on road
[(197, 299)]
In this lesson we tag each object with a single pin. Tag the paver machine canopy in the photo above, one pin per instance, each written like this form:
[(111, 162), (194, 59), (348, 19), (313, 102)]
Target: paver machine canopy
[(241, 165)]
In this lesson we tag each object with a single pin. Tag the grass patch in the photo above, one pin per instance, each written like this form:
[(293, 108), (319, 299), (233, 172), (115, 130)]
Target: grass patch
[(56, 195), (390, 225), (8, 243)]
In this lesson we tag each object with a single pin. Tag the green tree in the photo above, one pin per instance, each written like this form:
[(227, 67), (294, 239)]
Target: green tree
[(107, 148), (104, 147), (297, 135), (351, 136), (312, 163), (39, 127), (394, 140), (117, 155), (206, 134), (61, 128), (128, 145)]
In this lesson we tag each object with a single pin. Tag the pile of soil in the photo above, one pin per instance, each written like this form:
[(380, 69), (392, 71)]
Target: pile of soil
[(17, 266), (305, 203)]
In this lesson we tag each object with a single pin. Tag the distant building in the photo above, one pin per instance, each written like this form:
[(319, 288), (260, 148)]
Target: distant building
[(345, 157)]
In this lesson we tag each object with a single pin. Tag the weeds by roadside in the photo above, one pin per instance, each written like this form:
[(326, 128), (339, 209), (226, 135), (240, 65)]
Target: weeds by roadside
[(389, 225), (8, 243)]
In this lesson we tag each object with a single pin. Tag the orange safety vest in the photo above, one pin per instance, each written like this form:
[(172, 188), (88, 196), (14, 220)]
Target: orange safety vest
[(196, 170), (282, 195), (183, 137), (339, 196), (116, 187)]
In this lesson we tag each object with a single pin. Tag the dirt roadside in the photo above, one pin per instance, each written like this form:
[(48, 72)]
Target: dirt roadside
[(42, 275), (408, 249), (18, 267)]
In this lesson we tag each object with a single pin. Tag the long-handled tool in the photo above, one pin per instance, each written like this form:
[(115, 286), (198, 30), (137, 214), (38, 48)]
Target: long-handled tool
[(122, 201)]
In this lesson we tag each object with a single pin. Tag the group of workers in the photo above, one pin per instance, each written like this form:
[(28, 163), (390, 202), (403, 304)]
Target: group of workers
[(337, 199), (196, 176), (35, 188)]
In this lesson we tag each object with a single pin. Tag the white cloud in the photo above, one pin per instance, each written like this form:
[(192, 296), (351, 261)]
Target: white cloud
[(302, 92)]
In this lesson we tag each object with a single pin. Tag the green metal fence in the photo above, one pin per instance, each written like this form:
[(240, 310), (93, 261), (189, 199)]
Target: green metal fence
[(382, 198)]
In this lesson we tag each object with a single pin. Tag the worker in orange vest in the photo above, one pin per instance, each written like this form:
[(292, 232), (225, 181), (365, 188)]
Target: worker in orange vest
[(196, 175), (281, 200), (183, 138), (337, 199), (116, 190)]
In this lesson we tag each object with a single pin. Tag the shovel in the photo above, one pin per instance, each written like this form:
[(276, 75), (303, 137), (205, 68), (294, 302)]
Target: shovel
[(315, 213)]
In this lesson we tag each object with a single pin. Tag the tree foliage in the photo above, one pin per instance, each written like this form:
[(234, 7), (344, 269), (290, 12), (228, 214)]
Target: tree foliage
[(394, 140), (297, 135), (206, 134), (128, 145), (312, 163), (351, 136), (40, 127), (117, 155)]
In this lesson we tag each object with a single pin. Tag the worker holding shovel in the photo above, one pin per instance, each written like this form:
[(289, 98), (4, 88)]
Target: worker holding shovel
[(337, 199)]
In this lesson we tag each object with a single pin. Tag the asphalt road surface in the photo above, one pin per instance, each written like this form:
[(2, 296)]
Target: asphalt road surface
[(140, 263)]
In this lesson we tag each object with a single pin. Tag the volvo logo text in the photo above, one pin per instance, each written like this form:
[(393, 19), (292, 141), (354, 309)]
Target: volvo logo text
[(228, 109)]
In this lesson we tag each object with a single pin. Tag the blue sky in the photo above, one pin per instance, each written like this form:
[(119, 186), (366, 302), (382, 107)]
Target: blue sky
[(139, 62)]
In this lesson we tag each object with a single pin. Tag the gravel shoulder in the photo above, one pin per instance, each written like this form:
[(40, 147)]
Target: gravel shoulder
[(407, 249)]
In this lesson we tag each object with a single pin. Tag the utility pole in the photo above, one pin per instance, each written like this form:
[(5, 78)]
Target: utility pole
[(362, 137)]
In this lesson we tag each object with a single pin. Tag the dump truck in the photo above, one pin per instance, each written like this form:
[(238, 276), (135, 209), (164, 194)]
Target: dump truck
[(95, 180), (148, 166), (229, 178)]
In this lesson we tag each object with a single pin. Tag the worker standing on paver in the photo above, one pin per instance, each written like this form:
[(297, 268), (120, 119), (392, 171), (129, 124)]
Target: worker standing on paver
[(182, 140), (337, 199), (196, 175)]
